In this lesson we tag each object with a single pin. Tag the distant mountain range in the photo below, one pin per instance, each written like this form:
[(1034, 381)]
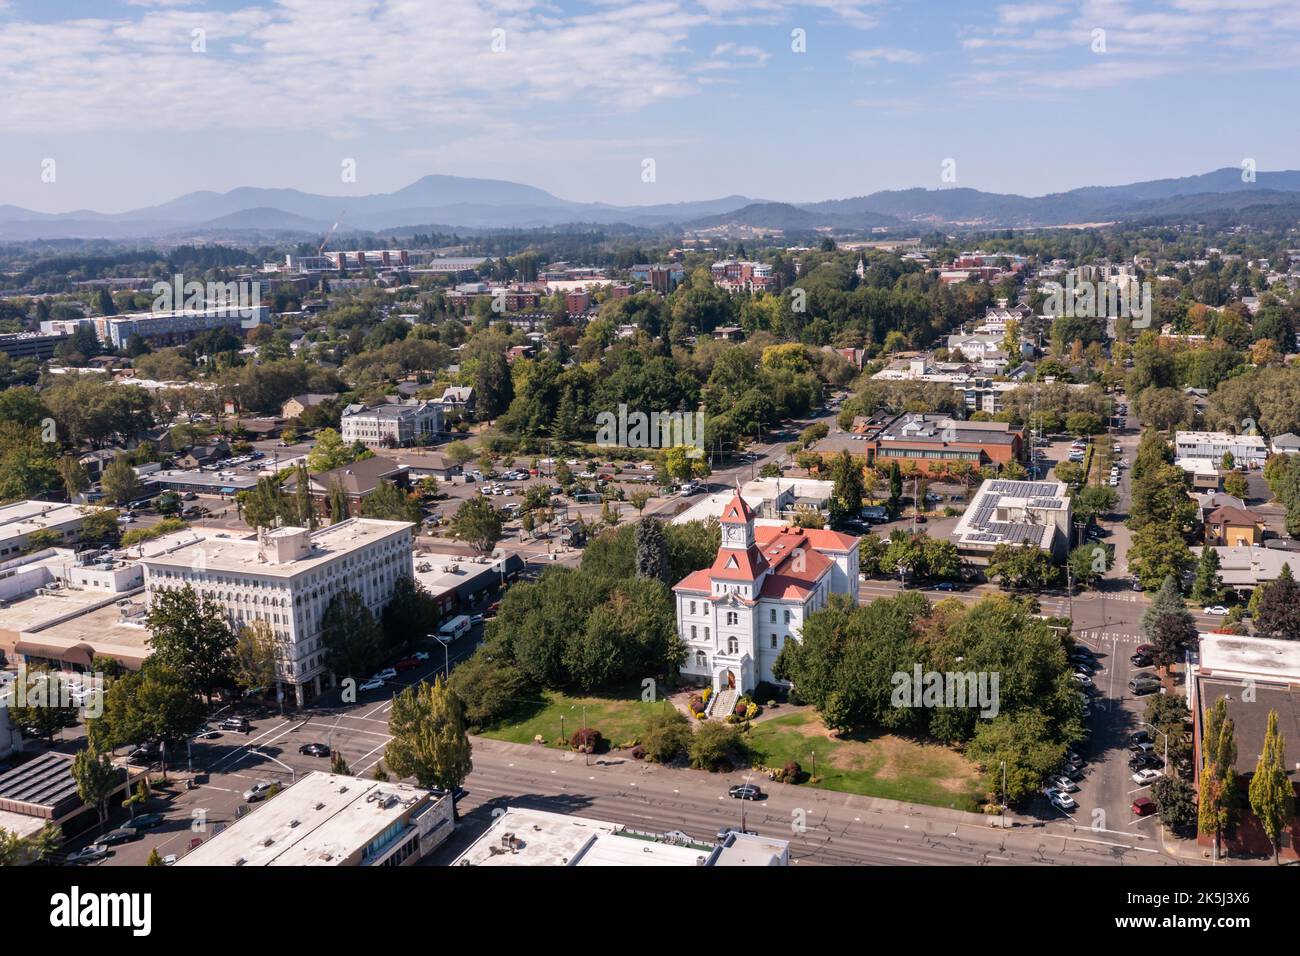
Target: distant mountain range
[(455, 202)]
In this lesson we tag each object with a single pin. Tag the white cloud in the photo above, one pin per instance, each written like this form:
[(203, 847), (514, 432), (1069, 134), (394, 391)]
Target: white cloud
[(882, 54)]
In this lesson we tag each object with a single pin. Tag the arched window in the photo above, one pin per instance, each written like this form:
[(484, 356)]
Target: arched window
[(701, 659), (733, 646)]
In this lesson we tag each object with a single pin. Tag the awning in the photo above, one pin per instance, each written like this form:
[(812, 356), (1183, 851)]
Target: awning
[(79, 654)]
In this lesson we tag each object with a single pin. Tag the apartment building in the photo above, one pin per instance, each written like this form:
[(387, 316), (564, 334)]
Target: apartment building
[(1212, 446), (287, 577), (20, 520), (174, 327), (391, 425)]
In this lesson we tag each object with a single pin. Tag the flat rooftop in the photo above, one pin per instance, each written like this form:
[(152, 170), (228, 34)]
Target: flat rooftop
[(322, 820), (36, 611), (1261, 657), (196, 478), (242, 554), (24, 517), (103, 629), (1012, 512), (542, 838)]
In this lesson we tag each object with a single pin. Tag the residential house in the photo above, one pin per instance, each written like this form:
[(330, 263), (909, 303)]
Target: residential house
[(358, 481), (1233, 527)]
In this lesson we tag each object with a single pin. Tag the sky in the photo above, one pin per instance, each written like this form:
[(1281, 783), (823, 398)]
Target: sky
[(119, 104)]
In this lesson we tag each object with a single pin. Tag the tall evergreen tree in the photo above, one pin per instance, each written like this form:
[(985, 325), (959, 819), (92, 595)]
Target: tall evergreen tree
[(1272, 798), (1219, 773), (652, 559), (1207, 588), (1277, 611), (1168, 625)]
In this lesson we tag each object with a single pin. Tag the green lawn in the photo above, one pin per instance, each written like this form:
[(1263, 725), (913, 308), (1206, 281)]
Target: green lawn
[(891, 767), (620, 715)]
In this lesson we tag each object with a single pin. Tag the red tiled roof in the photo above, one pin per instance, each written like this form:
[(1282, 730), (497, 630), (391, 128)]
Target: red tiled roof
[(1230, 515), (736, 512), (695, 581), (735, 565), (816, 537)]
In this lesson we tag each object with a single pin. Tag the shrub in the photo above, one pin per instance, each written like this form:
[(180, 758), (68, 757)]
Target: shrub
[(696, 704), (739, 709), (792, 772), (716, 747), (667, 736), (751, 710), (586, 740)]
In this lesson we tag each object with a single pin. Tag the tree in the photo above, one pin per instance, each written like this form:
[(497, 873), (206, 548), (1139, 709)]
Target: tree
[(329, 452), (97, 780), (99, 527), (1021, 746), (20, 851), (847, 490), (37, 711), (73, 475), (1168, 625), (1158, 552), (639, 499), (1175, 801), (189, 635), (410, 614), (478, 523), (667, 735), (1272, 798), (1093, 501), (652, 551), (1236, 485), (390, 503), (338, 765), (1219, 774), (154, 858), (429, 739), (1021, 566), (262, 506), (1277, 612), (352, 639), (120, 483), (489, 687), (1089, 563), (255, 655), (1207, 587), (716, 746)]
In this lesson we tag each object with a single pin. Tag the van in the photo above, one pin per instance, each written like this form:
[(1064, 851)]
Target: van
[(454, 628), (1144, 684)]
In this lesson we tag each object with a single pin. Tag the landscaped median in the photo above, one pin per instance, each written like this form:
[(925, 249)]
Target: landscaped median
[(891, 767)]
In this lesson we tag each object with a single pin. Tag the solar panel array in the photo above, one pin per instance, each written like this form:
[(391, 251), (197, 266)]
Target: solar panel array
[(45, 781)]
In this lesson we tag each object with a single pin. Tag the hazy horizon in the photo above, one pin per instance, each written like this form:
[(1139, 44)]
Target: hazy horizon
[(138, 102)]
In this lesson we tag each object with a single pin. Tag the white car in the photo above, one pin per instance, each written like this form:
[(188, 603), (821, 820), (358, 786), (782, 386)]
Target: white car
[(420, 656), (1063, 784), (1083, 679), (373, 684), (387, 673), (1062, 801), (1218, 610), (1145, 777)]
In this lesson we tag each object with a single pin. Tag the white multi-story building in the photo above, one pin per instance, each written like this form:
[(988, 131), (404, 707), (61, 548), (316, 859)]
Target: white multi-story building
[(172, 327), (392, 425), (736, 615), (1245, 449), (20, 520), (287, 577)]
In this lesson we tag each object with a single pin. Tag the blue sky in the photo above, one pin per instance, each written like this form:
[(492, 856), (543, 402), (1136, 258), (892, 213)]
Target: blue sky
[(576, 95)]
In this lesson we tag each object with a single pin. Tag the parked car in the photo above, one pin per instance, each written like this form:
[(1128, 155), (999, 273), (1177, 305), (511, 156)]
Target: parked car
[(146, 821), (1145, 778), (1145, 762), (1062, 801), (120, 835), (745, 791), (1218, 610), (1062, 783), (236, 723), (1141, 747), (314, 750), (373, 684), (1141, 660), (1139, 737), (258, 791), (1143, 807), (406, 664), (90, 854), (1143, 684), (388, 673)]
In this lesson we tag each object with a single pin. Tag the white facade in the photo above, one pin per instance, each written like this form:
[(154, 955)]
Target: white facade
[(393, 425), (736, 616), (1245, 449), (287, 578)]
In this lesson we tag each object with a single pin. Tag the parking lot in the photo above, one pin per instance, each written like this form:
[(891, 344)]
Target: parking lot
[(226, 764)]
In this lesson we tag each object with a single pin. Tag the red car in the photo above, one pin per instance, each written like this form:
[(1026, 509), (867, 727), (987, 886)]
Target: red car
[(1143, 806), (406, 664)]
